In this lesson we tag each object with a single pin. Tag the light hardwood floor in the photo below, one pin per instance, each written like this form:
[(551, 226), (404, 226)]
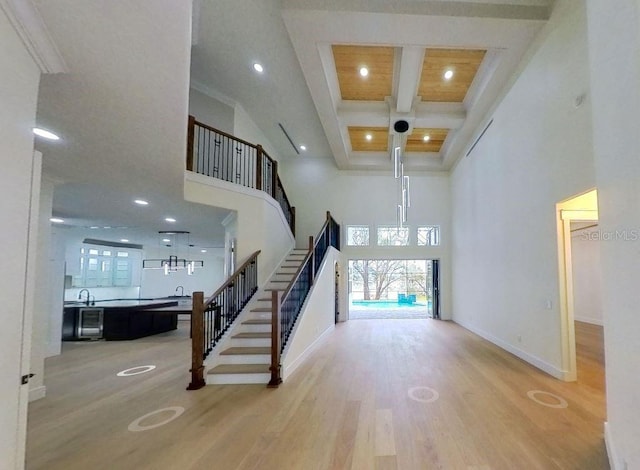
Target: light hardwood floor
[(348, 406)]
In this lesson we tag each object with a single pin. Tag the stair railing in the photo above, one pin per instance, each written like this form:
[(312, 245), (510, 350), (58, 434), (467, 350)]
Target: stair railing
[(212, 317), (286, 308), (215, 153)]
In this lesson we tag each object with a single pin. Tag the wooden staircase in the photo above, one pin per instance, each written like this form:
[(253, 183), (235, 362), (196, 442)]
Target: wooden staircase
[(245, 357)]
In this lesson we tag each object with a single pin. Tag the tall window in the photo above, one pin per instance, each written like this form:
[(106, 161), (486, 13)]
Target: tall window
[(429, 235), (103, 268), (357, 235), (393, 236)]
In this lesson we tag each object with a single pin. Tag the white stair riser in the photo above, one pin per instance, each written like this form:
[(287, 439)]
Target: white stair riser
[(244, 359), (257, 328), (250, 342), (228, 379)]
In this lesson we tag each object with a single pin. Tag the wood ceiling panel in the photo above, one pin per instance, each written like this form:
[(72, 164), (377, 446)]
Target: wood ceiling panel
[(374, 87), (416, 143), (379, 139), (464, 63)]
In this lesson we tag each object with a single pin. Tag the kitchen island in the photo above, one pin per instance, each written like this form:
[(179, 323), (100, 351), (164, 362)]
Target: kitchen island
[(121, 319)]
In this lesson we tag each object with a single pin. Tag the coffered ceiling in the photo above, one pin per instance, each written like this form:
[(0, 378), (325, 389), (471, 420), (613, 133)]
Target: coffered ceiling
[(439, 66)]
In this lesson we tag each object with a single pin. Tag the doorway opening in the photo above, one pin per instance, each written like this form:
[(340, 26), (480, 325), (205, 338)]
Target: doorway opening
[(393, 289), (580, 282)]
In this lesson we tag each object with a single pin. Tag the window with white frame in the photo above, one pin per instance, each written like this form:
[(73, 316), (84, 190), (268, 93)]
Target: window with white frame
[(103, 268), (357, 235), (393, 236), (429, 235)]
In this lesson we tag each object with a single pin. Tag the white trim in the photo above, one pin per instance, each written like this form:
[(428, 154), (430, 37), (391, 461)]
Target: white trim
[(611, 450), (29, 25), (37, 393), (239, 189), (525, 356), (288, 370), (211, 93), (229, 218)]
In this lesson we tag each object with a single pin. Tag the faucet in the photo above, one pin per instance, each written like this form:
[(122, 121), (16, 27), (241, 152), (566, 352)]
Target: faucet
[(181, 291), (93, 300), (80, 295)]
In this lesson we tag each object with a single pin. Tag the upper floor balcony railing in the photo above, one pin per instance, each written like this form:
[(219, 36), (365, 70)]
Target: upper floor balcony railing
[(220, 155)]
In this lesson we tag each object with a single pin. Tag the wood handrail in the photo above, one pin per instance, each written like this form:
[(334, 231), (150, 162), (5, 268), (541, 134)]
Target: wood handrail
[(197, 343), (258, 180), (232, 137), (231, 278), (190, 138), (312, 245), (276, 378), (218, 131)]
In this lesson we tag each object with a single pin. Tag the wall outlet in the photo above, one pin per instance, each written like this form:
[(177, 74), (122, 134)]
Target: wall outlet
[(548, 304)]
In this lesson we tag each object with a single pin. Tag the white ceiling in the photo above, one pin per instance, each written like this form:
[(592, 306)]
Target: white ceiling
[(121, 110)]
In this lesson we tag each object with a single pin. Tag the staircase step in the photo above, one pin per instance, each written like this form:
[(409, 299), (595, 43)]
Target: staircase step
[(256, 321), (240, 369), (261, 309), (278, 281), (265, 299), (254, 334), (245, 350)]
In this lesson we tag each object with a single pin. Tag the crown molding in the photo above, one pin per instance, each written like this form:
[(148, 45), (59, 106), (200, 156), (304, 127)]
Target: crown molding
[(28, 23), (211, 93)]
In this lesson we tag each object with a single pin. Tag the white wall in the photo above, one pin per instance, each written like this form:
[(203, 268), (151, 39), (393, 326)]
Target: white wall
[(361, 198), (536, 153), (245, 129), (587, 279), (18, 98), (316, 318), (260, 225), (56, 278), (210, 111), (614, 48), (42, 300)]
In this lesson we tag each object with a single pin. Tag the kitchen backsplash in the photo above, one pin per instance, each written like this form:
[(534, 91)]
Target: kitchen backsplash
[(103, 293)]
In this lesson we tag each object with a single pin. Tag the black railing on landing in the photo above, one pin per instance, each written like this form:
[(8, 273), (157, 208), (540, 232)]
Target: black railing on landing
[(286, 308), (215, 153), (212, 317)]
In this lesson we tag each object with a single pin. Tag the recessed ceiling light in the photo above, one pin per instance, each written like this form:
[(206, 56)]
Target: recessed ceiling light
[(45, 133), (203, 251), (141, 202), (426, 138), (56, 220), (166, 240), (258, 67), (448, 74), (93, 227), (124, 240), (368, 137), (170, 219), (364, 71), (303, 147), (107, 226)]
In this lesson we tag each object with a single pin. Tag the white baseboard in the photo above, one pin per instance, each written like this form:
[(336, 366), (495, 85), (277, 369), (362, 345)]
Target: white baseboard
[(287, 370), (525, 356), (37, 393), (614, 462)]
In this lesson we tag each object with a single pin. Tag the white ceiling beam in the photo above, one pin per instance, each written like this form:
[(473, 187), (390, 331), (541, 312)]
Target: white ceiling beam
[(438, 115), (364, 114), (410, 71)]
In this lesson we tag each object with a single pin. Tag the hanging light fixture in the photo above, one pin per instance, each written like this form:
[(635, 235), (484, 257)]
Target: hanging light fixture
[(173, 263), (400, 127)]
